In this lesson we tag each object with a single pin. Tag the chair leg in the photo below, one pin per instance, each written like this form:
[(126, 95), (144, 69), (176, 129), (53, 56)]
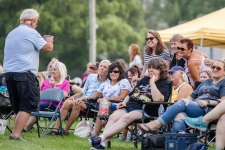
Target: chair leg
[(45, 132), (38, 127)]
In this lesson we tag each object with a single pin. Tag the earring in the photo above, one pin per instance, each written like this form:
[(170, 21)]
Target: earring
[(189, 55)]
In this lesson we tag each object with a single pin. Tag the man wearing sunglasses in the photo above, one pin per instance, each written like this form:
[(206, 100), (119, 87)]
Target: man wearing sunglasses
[(21, 60), (195, 60)]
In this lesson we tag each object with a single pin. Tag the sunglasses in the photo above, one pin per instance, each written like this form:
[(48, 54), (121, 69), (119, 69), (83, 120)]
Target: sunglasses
[(216, 67), (171, 73), (150, 38), (114, 71), (181, 48)]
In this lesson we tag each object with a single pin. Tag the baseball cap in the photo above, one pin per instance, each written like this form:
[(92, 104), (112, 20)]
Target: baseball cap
[(93, 65), (175, 68)]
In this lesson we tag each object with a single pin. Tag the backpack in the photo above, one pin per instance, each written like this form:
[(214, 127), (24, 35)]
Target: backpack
[(154, 142)]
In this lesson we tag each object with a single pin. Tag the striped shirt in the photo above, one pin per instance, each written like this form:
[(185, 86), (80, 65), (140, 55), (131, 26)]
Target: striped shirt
[(164, 55)]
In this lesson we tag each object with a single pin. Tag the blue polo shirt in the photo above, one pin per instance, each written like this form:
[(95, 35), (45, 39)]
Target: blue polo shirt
[(21, 52)]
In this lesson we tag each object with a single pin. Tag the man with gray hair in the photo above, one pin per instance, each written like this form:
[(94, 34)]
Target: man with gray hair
[(77, 103), (21, 60)]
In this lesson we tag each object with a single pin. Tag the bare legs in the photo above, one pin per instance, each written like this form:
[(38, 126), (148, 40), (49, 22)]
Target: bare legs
[(214, 113), (67, 106), (31, 121), (220, 133), (20, 121), (117, 123)]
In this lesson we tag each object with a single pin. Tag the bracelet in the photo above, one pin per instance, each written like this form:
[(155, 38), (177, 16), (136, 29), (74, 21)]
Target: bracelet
[(208, 102)]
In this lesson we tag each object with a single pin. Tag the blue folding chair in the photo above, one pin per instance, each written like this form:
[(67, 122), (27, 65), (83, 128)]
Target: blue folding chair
[(50, 95)]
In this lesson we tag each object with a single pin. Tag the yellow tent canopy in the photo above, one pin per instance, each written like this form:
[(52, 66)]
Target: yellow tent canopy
[(206, 31)]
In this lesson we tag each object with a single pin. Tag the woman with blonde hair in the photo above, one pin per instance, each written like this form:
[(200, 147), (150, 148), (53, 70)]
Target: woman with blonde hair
[(135, 55), (154, 48), (58, 80)]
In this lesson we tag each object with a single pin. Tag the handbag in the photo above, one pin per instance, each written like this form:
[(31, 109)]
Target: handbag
[(84, 128), (3, 124)]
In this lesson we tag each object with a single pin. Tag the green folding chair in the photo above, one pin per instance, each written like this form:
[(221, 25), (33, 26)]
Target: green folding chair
[(50, 95)]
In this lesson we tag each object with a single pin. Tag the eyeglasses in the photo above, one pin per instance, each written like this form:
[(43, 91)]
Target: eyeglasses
[(114, 71), (150, 38), (181, 48), (216, 67), (36, 23)]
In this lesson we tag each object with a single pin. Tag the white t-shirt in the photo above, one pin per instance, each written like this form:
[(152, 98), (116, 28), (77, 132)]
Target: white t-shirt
[(137, 60), (108, 90)]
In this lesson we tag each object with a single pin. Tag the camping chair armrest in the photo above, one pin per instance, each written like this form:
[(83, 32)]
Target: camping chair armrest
[(158, 103), (115, 101)]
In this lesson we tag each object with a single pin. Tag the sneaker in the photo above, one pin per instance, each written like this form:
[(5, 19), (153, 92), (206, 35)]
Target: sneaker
[(97, 147), (17, 139), (120, 138), (94, 140), (196, 123), (129, 138)]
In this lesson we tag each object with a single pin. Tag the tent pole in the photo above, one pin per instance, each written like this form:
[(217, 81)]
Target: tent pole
[(201, 43)]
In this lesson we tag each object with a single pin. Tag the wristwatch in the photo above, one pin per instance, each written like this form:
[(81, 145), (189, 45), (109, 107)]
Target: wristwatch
[(208, 102)]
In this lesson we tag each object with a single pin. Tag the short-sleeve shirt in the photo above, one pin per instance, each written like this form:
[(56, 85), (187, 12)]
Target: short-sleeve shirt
[(144, 87), (21, 52), (91, 85), (209, 91), (65, 86), (108, 90), (164, 55), (137, 60)]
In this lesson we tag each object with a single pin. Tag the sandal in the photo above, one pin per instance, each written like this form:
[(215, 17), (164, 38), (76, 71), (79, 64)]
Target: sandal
[(143, 130), (53, 133), (64, 132)]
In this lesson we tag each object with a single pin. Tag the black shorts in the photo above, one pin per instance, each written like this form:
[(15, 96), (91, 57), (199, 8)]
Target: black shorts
[(23, 91)]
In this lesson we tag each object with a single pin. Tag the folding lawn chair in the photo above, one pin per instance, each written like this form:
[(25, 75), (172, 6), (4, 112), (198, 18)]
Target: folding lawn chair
[(50, 95)]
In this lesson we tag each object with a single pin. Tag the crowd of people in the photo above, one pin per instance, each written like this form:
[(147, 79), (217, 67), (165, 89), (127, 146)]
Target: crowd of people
[(114, 81)]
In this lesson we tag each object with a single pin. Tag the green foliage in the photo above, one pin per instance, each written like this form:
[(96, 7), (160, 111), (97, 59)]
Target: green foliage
[(120, 23)]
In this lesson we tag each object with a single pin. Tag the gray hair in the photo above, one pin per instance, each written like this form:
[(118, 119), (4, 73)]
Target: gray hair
[(107, 61), (28, 14), (184, 77)]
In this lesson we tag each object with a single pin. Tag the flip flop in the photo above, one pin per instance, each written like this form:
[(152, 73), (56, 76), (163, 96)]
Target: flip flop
[(143, 130)]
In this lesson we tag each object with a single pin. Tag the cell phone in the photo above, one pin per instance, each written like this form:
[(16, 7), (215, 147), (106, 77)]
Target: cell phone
[(46, 36)]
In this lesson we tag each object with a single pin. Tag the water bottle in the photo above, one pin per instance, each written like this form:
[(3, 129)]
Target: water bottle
[(161, 110), (104, 109)]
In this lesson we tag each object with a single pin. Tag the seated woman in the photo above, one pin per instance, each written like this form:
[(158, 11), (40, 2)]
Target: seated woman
[(201, 123), (155, 85), (57, 80), (134, 74), (116, 88), (211, 92), (181, 87)]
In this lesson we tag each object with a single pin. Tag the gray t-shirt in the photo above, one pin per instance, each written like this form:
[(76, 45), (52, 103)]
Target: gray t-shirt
[(209, 91), (21, 52)]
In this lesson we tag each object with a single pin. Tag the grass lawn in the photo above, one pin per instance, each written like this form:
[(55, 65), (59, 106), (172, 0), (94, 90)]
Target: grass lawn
[(69, 142)]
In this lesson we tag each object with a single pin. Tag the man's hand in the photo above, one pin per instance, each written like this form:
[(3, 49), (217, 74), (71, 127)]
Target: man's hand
[(121, 105), (77, 101), (202, 103)]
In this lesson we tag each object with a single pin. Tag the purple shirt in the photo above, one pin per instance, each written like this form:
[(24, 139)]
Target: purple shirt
[(65, 86)]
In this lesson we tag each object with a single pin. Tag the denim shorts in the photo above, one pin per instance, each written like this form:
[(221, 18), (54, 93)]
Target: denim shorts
[(128, 109)]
